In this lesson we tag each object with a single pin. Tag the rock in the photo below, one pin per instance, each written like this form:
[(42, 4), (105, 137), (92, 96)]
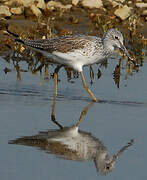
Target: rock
[(41, 4), (123, 12), (17, 11), (75, 2), (116, 2), (121, 1), (4, 10), (92, 3), (54, 4), (6, 2), (144, 13), (35, 10), (26, 3), (141, 5), (129, 2)]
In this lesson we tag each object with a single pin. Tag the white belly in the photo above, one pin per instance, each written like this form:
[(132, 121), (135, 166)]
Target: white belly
[(76, 60)]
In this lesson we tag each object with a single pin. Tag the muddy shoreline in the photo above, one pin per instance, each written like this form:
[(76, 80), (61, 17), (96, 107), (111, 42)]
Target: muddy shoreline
[(75, 20), (60, 22)]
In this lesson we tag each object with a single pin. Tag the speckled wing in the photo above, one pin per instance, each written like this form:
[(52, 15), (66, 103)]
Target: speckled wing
[(59, 44)]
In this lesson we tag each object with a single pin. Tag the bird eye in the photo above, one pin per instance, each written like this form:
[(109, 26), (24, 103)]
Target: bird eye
[(116, 37), (107, 167)]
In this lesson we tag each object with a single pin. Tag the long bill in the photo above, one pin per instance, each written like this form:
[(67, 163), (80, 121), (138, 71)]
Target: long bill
[(126, 52)]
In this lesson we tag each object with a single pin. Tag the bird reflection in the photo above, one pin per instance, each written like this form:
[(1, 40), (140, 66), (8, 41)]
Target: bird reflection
[(70, 143)]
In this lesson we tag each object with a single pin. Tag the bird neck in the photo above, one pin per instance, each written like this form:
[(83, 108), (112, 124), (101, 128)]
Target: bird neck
[(108, 46)]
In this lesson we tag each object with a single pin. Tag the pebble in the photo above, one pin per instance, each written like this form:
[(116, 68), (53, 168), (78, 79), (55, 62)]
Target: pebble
[(36, 11), (116, 2), (4, 10), (75, 2), (141, 5), (123, 12), (121, 1), (92, 3), (8, 3), (41, 4), (144, 13), (25, 3), (17, 10), (54, 4)]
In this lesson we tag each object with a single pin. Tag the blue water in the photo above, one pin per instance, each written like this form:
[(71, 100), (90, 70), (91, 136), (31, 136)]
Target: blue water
[(25, 110)]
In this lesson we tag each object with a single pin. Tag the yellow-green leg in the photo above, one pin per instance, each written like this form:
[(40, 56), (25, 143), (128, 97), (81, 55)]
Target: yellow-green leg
[(55, 95), (87, 88)]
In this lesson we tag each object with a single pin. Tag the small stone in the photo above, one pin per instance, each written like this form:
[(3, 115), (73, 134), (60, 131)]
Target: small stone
[(17, 10), (41, 4), (75, 2), (92, 3), (8, 3), (54, 4), (4, 10), (141, 5), (129, 2), (116, 2), (26, 3), (68, 6), (121, 1), (144, 13), (123, 12), (35, 10)]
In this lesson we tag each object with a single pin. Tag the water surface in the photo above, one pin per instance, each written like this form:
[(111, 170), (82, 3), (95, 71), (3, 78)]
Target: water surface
[(26, 105)]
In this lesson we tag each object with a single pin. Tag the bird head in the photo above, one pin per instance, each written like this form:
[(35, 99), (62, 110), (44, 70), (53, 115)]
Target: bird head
[(114, 39)]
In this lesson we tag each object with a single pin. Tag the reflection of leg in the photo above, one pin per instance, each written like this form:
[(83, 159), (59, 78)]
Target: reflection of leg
[(54, 100), (55, 95), (83, 113), (18, 68), (87, 88)]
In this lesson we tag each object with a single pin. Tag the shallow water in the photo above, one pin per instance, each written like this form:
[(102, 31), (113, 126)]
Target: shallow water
[(26, 105)]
